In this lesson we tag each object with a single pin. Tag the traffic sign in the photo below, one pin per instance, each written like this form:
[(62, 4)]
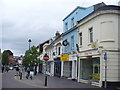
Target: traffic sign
[(46, 57)]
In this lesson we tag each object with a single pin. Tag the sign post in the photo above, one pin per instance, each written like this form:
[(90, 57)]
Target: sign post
[(105, 58), (46, 58)]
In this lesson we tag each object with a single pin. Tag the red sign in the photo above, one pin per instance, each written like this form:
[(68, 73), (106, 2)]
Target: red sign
[(46, 57)]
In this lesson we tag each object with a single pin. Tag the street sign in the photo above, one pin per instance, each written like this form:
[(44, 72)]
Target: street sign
[(105, 56), (46, 57)]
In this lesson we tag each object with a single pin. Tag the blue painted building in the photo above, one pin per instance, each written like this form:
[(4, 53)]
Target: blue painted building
[(70, 39)]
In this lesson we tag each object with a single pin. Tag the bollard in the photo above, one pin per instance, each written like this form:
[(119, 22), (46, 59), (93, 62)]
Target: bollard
[(46, 80)]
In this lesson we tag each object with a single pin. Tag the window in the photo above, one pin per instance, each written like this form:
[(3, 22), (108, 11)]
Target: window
[(72, 42), (66, 26), (91, 34), (72, 22), (80, 38), (58, 50)]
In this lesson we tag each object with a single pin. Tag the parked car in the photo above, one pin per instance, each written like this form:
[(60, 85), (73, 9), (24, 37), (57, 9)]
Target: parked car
[(10, 68)]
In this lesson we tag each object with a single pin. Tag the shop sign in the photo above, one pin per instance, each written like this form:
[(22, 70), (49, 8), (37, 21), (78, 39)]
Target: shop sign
[(93, 45), (72, 57), (64, 57)]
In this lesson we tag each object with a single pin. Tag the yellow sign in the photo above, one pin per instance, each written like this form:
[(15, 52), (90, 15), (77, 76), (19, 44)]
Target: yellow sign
[(94, 45), (64, 57)]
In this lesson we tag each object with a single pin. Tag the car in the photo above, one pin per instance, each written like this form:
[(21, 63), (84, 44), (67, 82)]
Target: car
[(10, 68)]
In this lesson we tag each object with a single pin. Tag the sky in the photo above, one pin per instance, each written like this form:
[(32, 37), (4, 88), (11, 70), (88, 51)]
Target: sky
[(38, 20)]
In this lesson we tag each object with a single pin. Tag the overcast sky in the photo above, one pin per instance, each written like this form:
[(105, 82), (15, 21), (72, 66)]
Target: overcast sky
[(38, 20)]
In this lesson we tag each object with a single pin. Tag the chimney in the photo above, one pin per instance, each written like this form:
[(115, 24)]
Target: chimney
[(57, 34), (96, 6)]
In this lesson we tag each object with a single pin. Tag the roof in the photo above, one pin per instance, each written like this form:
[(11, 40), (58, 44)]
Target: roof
[(78, 7), (107, 7), (40, 45)]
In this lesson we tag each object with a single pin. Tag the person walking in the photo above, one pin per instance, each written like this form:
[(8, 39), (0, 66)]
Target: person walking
[(3, 68), (17, 71), (31, 71), (6, 68), (20, 72), (28, 72)]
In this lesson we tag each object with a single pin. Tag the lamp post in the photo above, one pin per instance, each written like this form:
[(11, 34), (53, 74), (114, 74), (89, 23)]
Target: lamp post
[(29, 43)]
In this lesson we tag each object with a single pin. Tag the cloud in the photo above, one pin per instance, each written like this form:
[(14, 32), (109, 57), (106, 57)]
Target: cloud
[(37, 20)]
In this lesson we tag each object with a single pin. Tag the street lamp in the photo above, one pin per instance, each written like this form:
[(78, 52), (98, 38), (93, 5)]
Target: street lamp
[(29, 43)]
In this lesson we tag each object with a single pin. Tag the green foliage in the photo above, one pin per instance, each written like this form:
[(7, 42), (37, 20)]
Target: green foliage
[(31, 56), (5, 58)]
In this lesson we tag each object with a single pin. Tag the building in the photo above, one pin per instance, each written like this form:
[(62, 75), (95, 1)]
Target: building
[(119, 3), (54, 50), (98, 38), (41, 48), (70, 39)]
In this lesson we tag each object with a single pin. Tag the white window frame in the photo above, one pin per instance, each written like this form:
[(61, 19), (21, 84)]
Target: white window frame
[(91, 35), (80, 35)]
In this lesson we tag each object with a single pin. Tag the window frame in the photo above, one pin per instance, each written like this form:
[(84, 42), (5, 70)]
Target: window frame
[(72, 42), (91, 35), (80, 39), (72, 22)]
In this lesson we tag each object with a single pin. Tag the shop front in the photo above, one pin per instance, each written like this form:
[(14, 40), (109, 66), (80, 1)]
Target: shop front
[(90, 69), (57, 67), (67, 69)]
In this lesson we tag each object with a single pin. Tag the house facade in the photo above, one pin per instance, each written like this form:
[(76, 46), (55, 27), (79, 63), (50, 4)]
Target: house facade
[(70, 39), (54, 50), (98, 47), (41, 48)]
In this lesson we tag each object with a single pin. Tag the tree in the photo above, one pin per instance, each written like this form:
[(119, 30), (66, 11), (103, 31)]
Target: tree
[(5, 58), (31, 56)]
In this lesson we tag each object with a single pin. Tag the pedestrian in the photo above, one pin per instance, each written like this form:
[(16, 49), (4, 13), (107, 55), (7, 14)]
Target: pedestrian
[(3, 68), (17, 70), (20, 72), (28, 72), (7, 69), (31, 72)]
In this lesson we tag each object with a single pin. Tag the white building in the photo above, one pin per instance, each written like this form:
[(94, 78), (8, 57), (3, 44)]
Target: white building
[(54, 50), (119, 3), (98, 33)]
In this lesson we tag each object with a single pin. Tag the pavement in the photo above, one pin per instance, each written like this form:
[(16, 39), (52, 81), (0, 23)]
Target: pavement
[(34, 82), (52, 82)]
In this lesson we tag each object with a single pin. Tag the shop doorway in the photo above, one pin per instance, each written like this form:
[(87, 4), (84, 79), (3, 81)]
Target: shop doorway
[(90, 69)]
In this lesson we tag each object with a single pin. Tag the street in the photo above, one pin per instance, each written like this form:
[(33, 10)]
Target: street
[(9, 80)]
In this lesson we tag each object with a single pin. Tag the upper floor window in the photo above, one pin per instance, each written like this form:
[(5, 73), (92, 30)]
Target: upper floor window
[(72, 22), (66, 26), (91, 34), (58, 50), (80, 38), (72, 42)]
